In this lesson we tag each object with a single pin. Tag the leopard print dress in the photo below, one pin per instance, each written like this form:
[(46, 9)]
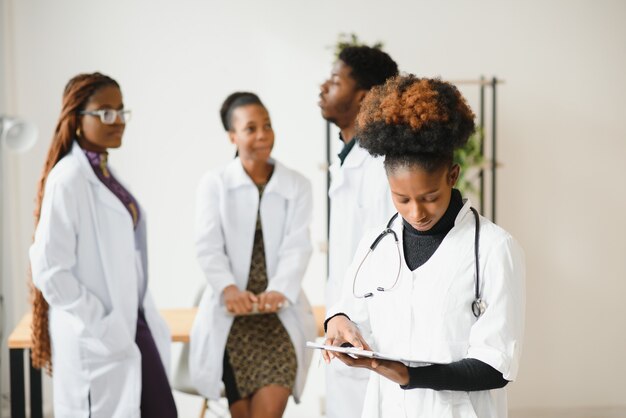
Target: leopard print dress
[(259, 348)]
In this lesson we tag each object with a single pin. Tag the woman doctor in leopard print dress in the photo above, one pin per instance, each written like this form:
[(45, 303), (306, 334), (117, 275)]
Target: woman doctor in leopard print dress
[(253, 245)]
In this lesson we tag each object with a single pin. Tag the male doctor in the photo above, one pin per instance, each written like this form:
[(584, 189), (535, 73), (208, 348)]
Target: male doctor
[(359, 198)]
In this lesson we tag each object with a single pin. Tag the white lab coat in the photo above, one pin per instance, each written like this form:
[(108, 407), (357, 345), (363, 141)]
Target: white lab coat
[(90, 265), (427, 316), (226, 213), (360, 200)]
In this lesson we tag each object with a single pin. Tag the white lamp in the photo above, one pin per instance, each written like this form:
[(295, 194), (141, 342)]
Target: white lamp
[(17, 134)]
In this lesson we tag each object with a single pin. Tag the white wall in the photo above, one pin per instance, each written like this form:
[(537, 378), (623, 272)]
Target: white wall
[(4, 271), (12, 292), (561, 136)]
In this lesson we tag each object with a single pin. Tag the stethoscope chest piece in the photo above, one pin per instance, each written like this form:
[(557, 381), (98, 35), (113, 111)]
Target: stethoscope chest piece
[(478, 307)]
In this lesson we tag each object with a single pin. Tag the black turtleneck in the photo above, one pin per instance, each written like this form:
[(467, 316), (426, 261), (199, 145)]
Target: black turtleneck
[(347, 147), (420, 246)]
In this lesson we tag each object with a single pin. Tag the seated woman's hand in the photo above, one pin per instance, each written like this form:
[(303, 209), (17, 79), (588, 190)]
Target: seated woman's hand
[(238, 302), (271, 301), (341, 331)]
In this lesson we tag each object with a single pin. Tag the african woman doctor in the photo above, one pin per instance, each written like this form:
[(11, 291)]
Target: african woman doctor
[(427, 314), (253, 245), (94, 320)]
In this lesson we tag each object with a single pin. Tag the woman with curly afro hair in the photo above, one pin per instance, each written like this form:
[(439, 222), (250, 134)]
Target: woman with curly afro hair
[(446, 296)]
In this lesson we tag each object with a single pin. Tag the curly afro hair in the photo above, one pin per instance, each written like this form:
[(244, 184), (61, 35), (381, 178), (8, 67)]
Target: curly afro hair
[(370, 66), (414, 121)]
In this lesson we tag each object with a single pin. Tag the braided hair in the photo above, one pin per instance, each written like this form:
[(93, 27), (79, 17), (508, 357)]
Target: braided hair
[(76, 95)]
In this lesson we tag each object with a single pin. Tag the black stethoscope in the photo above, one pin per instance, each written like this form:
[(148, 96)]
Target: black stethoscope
[(478, 305)]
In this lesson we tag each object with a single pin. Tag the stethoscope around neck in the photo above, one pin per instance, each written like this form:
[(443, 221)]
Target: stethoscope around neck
[(478, 305)]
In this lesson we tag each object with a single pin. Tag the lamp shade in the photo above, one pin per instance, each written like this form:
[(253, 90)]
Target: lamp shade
[(18, 135)]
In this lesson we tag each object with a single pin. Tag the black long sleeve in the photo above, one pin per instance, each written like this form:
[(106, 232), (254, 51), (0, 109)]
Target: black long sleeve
[(464, 375)]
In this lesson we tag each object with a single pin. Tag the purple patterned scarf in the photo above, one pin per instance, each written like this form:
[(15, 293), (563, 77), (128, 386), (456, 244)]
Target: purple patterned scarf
[(99, 164)]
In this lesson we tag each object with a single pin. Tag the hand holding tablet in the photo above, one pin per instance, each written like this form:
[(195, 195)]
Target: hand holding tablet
[(360, 353)]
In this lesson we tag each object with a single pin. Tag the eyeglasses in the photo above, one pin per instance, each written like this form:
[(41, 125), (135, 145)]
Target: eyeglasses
[(109, 116)]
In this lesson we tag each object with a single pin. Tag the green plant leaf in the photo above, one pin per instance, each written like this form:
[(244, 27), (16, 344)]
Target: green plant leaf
[(470, 160)]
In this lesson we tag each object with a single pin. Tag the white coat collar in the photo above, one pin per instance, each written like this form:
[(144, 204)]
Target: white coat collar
[(235, 176), (83, 162), (356, 157), (467, 204), (398, 226), (107, 197)]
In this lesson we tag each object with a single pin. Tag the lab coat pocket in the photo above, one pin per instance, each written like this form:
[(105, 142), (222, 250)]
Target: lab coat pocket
[(457, 318), (109, 338), (462, 405), (445, 404), (361, 212)]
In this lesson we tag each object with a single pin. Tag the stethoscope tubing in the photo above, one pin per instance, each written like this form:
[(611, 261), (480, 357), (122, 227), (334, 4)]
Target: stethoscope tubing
[(478, 305)]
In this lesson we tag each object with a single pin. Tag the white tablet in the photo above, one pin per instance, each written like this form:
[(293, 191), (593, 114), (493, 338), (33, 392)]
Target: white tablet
[(356, 352)]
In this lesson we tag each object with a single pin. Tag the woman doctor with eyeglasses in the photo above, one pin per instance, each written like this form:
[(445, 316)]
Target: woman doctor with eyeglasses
[(419, 298), (95, 326)]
